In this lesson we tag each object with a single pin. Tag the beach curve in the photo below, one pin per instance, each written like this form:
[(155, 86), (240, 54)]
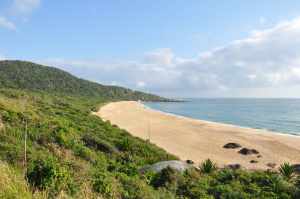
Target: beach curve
[(198, 140)]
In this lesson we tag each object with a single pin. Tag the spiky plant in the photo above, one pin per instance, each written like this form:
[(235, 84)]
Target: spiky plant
[(287, 171), (208, 167)]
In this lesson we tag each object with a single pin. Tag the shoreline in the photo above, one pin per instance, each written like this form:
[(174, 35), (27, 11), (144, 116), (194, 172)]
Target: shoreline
[(197, 140), (221, 123)]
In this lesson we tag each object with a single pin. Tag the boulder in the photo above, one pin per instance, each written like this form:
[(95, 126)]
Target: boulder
[(253, 161), (232, 145), (189, 161), (271, 165), (174, 164), (246, 151), (234, 166), (296, 167)]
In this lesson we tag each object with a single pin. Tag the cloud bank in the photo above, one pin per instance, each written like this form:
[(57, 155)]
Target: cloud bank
[(5, 23), (24, 7), (19, 8), (267, 61)]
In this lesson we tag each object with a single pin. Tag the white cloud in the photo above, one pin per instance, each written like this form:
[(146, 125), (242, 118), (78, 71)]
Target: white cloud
[(20, 8), (252, 76), (2, 57), (25, 6), (140, 84), (255, 66), (5, 23), (163, 56)]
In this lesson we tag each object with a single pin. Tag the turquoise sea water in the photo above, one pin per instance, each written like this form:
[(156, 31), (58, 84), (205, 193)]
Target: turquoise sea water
[(279, 115)]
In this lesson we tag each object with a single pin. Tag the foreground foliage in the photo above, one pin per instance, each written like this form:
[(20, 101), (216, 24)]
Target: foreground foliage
[(287, 171), (13, 185), (67, 146), (208, 167)]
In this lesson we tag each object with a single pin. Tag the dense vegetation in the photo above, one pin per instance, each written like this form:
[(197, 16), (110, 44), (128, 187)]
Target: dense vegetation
[(67, 147), (34, 77), (73, 154)]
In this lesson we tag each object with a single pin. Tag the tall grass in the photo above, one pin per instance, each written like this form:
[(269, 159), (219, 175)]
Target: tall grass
[(12, 185)]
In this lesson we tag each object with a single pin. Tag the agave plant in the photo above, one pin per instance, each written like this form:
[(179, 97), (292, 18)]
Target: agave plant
[(287, 170), (208, 167)]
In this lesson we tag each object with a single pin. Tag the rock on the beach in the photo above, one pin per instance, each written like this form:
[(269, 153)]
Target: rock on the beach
[(189, 161), (174, 164), (253, 161), (234, 166), (232, 145), (271, 165), (246, 151), (296, 167)]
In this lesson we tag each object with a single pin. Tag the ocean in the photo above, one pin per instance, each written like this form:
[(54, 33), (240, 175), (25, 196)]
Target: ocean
[(278, 115)]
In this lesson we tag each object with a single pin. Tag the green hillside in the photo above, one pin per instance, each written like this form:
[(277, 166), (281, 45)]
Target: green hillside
[(74, 154), (67, 146), (34, 77)]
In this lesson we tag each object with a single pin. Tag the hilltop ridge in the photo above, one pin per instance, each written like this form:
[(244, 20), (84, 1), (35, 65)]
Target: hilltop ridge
[(34, 77)]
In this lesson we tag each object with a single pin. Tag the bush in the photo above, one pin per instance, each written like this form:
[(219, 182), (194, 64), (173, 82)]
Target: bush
[(105, 184), (135, 188), (84, 152), (208, 167), (168, 177), (287, 171), (98, 144), (47, 174)]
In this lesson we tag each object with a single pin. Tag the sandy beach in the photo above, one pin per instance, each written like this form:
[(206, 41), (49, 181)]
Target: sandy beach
[(198, 140)]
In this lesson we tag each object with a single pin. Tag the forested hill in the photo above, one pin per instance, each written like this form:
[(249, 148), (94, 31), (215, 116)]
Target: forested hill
[(34, 77)]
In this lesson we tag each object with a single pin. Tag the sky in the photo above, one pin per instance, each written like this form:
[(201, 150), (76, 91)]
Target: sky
[(174, 48)]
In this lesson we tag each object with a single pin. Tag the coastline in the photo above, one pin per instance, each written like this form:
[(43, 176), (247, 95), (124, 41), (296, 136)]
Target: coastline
[(221, 123), (194, 139)]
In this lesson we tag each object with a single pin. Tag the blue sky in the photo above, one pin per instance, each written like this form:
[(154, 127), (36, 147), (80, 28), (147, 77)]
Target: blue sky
[(126, 42)]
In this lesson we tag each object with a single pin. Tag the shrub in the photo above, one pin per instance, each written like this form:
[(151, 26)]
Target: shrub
[(227, 191), (168, 177), (208, 167), (225, 175), (195, 187), (124, 144), (134, 188), (47, 174), (287, 171), (106, 184), (98, 144), (84, 152)]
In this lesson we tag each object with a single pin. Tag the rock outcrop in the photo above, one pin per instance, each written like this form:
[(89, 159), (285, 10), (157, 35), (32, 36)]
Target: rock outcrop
[(174, 164), (246, 151), (232, 145)]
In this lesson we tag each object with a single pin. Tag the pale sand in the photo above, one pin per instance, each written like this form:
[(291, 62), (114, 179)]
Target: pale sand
[(198, 140)]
